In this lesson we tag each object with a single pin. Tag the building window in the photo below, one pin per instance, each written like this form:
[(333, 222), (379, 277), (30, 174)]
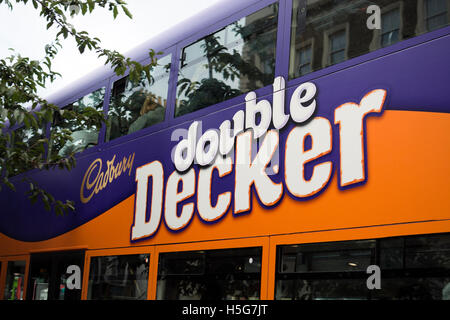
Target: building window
[(390, 27), (337, 46), (436, 14), (226, 274), (304, 58), (135, 106), (234, 60)]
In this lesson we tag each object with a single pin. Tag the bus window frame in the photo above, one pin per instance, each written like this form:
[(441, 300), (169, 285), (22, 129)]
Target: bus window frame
[(263, 91), (4, 271), (115, 252), (169, 107), (262, 242)]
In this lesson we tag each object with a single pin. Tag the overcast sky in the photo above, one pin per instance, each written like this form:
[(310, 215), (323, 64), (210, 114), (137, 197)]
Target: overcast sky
[(24, 30)]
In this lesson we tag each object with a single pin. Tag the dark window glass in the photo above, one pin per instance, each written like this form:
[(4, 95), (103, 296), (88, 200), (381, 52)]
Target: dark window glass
[(428, 252), (123, 277), (228, 274), (135, 106), (332, 257), (391, 253), (84, 134), (339, 30), (413, 268), (15, 277), (49, 273), (339, 288), (232, 61), (40, 278), (413, 288)]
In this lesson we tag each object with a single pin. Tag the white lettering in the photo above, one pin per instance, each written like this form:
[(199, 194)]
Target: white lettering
[(173, 197), (279, 117), (252, 109), (203, 157), (186, 147), (319, 129), (303, 103), (206, 211), (142, 228), (350, 117), (250, 172), (227, 135)]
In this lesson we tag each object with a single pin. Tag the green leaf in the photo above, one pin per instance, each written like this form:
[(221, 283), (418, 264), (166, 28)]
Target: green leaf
[(46, 203), (91, 5), (127, 12), (115, 12), (81, 47), (58, 211)]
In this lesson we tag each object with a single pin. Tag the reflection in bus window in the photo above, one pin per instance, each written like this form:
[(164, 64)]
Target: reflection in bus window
[(338, 30), (137, 106), (84, 134), (227, 274), (390, 27), (123, 277), (15, 278), (436, 14), (412, 268), (232, 61)]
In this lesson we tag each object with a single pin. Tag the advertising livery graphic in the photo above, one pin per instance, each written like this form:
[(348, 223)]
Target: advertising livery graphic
[(250, 164), (270, 157)]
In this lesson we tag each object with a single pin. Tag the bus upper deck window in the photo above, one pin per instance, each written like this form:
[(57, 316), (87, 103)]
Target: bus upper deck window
[(335, 31), (135, 106), (232, 61), (83, 134)]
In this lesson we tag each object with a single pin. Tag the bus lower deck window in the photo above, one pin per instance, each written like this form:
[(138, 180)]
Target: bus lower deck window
[(412, 268), (226, 274), (121, 277)]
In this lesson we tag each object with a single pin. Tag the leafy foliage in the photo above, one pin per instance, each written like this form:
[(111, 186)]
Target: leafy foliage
[(24, 115)]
